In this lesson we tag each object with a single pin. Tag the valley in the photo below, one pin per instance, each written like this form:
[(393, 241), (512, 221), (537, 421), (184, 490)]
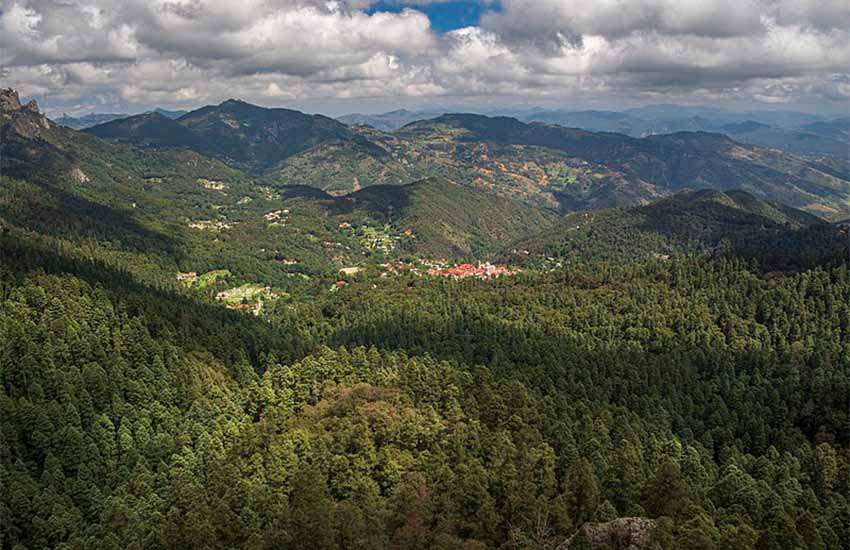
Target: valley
[(241, 327)]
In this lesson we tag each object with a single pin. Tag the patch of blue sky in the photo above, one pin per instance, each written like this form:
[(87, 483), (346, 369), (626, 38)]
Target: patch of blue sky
[(444, 16)]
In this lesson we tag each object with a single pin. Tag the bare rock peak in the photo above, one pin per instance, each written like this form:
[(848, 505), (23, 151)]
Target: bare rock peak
[(9, 100), (32, 106), (26, 121)]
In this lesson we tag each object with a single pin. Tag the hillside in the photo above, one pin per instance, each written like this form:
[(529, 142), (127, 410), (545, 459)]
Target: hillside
[(543, 165), (159, 211), (446, 218), (733, 222), (418, 414), (175, 210), (666, 163), (246, 136), (572, 169)]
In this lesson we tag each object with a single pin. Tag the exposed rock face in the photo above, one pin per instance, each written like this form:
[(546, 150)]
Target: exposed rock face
[(23, 120), (625, 533), (79, 176), (9, 101)]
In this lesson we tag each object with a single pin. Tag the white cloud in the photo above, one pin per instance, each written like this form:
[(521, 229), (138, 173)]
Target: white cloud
[(185, 52)]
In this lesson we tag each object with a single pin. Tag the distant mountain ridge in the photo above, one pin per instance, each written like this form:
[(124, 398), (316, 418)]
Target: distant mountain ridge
[(790, 131), (795, 132), (389, 121), (87, 121), (93, 119), (541, 164), (247, 136)]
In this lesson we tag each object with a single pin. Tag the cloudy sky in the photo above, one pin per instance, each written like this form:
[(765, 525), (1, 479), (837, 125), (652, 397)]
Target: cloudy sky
[(340, 56)]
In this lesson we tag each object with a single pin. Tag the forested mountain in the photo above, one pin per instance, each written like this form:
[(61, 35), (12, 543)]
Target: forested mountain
[(149, 130), (211, 217), (661, 163), (541, 164), (447, 218), (574, 169), (698, 393), (247, 136), (730, 222), (191, 357)]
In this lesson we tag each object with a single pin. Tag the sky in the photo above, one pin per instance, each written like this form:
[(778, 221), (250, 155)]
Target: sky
[(341, 56)]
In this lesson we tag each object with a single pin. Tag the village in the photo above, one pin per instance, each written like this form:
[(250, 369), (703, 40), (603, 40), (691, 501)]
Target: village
[(211, 225), (445, 269), (482, 271)]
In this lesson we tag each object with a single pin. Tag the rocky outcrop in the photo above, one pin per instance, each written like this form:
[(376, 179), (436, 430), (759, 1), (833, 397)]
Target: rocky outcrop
[(9, 101), (625, 533), (24, 120)]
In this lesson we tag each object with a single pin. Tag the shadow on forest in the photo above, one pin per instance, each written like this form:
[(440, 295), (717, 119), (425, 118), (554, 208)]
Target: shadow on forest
[(649, 382), (195, 325), (385, 200), (69, 214), (745, 234)]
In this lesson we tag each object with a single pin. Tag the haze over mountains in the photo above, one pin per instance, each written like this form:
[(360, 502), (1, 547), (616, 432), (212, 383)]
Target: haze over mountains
[(792, 131), (539, 163)]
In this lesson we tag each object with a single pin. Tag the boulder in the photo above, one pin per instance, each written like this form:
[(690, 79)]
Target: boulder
[(625, 533)]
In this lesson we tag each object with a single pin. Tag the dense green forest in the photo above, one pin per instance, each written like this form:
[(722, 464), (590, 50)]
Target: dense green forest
[(678, 370), (701, 392)]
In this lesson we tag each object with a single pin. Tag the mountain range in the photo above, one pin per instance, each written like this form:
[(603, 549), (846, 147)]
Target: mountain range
[(791, 131), (171, 185), (544, 165), (247, 136)]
